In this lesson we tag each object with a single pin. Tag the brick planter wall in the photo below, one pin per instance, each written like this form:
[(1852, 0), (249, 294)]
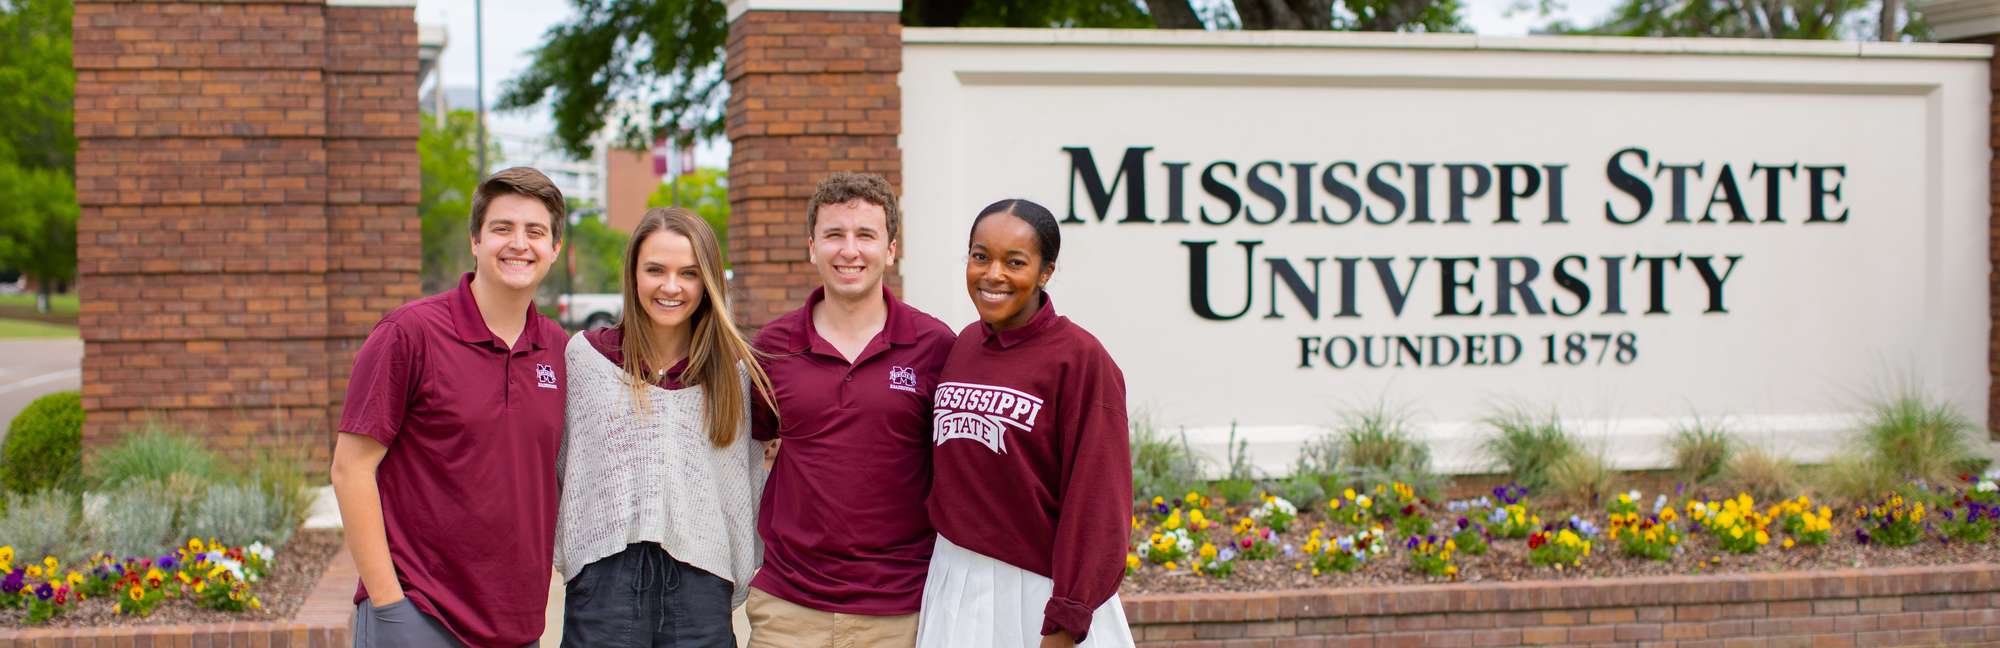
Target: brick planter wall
[(248, 179), (322, 622), (1950, 605)]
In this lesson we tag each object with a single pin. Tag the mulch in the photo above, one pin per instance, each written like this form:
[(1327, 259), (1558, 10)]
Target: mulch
[(1507, 560), (296, 570)]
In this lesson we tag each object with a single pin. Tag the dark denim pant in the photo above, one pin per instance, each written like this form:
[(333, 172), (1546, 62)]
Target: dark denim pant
[(643, 597)]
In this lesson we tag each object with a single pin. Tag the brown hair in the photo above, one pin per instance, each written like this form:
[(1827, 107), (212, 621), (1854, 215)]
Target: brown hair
[(841, 187), (524, 182), (716, 350)]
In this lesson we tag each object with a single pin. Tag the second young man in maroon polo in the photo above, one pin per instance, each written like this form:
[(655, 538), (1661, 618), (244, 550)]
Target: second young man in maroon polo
[(847, 539), (445, 462)]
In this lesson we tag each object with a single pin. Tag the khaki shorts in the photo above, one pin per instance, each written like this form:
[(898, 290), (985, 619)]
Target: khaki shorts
[(778, 623)]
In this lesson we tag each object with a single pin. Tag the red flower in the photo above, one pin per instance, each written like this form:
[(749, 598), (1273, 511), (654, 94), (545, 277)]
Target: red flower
[(1537, 540)]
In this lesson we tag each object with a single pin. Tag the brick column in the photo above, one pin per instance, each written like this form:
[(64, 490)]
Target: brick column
[(1978, 22), (247, 176), (812, 90)]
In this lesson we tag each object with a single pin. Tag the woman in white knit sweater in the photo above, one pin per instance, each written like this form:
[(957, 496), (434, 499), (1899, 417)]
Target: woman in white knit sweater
[(656, 536)]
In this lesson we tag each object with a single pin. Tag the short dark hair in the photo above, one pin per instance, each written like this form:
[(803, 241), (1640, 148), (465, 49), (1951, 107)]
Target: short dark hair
[(524, 182), (842, 187), (1048, 235)]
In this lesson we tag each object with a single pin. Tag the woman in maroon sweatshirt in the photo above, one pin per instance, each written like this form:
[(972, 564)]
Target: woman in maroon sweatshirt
[(1032, 475)]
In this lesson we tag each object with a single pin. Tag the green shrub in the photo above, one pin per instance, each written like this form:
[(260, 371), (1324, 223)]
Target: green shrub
[(1583, 478), (1763, 474), (38, 524), (1526, 445), (136, 520), (1376, 447), (1701, 450), (280, 472), (1239, 485), (156, 453), (1916, 439), (235, 514), (44, 447), (1315, 472), (1853, 478), (1161, 467)]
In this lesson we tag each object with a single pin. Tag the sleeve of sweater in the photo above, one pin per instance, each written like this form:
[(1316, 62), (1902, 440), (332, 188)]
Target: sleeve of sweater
[(1096, 495)]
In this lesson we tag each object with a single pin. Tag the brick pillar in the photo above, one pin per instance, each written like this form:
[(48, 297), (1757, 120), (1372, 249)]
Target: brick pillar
[(248, 179), (1978, 22), (812, 90)]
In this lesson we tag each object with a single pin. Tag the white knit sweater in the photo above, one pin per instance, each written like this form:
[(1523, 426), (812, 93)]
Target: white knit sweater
[(627, 478)]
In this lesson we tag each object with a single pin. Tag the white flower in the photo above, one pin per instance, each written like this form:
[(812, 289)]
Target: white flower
[(1659, 503), (1185, 544), (261, 551), (1988, 486)]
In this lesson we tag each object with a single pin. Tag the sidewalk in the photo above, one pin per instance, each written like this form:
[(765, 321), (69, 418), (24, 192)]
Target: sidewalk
[(326, 515)]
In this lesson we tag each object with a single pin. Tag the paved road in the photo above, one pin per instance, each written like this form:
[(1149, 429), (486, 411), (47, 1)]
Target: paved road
[(31, 368)]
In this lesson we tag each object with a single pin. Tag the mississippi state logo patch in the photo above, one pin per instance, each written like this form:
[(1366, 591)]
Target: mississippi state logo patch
[(903, 378), (545, 376), (981, 413)]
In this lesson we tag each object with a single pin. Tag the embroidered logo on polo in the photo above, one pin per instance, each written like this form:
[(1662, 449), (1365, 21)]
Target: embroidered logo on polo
[(981, 413), (903, 378), (545, 376)]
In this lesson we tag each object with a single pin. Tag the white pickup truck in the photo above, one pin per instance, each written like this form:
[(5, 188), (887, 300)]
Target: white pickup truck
[(589, 310)]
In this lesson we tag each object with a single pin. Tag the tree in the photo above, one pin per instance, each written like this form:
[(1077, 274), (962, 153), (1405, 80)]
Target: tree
[(37, 144), (633, 68), (447, 158), (1889, 20), (706, 191)]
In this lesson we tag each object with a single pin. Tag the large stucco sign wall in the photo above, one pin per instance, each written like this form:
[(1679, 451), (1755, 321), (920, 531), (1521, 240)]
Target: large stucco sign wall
[(1268, 230)]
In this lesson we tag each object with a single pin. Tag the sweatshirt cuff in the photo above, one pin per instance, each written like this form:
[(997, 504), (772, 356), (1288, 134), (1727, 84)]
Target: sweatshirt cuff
[(1067, 615)]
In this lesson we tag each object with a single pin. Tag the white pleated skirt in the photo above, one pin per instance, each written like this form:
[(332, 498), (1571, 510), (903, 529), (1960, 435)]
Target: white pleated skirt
[(973, 601)]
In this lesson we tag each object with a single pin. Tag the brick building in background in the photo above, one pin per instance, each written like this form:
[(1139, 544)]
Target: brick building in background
[(248, 179)]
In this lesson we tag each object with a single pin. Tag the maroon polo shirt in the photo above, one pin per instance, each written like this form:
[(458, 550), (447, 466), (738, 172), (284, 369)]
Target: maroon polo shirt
[(1033, 464), (843, 512), (468, 486)]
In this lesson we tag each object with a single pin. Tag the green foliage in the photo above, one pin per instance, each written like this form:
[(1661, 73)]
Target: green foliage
[(1238, 485), (1853, 477), (288, 495), (706, 191), (448, 159), (1916, 439), (1701, 449), (135, 520), (1527, 445), (1582, 478), (1797, 19), (1762, 474), (1376, 448), (44, 447), (156, 453), (37, 142), (599, 253), (38, 524), (1161, 467), (236, 514), (665, 56)]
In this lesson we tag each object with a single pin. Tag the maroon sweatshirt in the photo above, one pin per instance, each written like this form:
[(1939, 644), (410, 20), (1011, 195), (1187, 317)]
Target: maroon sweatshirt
[(1031, 462)]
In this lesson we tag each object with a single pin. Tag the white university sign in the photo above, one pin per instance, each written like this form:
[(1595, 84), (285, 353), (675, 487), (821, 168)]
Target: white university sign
[(1268, 231)]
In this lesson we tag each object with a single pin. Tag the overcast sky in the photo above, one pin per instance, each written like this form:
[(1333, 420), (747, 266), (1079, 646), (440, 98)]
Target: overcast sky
[(514, 27)]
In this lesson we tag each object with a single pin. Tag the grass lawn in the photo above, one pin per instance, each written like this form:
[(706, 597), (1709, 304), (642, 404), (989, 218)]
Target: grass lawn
[(13, 328), (64, 304)]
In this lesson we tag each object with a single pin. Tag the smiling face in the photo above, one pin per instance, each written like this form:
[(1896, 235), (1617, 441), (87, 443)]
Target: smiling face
[(668, 280), (1004, 271), (851, 248), (515, 247)]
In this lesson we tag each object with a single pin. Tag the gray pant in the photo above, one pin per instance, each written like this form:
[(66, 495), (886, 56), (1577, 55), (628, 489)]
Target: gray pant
[(399, 625), (644, 598)]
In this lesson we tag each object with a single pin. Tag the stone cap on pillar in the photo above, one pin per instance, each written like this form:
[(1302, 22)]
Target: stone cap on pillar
[(738, 7), (1957, 20)]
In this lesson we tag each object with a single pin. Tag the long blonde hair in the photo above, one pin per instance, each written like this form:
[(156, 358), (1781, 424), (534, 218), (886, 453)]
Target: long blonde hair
[(715, 350)]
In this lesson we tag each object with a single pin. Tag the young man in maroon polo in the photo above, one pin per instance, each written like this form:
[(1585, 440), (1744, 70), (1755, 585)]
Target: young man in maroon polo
[(445, 464), (847, 540)]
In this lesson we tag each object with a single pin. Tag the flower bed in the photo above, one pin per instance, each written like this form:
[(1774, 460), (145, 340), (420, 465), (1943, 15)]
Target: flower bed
[(1391, 535), (305, 600)]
